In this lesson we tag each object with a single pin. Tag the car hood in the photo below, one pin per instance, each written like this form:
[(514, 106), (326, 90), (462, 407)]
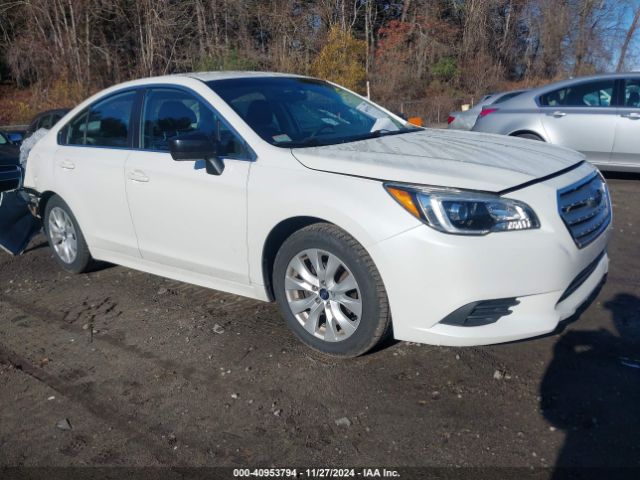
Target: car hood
[(445, 158)]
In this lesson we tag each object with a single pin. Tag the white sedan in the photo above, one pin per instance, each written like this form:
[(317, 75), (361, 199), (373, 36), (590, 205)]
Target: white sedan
[(288, 188)]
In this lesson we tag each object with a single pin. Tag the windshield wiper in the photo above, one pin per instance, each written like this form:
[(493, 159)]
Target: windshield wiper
[(315, 142), (383, 132), (307, 142)]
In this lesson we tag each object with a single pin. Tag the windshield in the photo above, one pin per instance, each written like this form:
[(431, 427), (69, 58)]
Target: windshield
[(302, 112)]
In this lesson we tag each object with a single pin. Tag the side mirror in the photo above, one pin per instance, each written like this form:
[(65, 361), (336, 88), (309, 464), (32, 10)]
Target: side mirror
[(197, 147)]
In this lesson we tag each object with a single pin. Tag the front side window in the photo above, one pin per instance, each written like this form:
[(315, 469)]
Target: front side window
[(591, 94), (170, 113), (300, 112), (3, 140), (632, 93)]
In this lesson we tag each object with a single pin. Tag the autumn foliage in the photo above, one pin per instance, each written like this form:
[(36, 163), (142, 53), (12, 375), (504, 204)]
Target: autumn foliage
[(424, 57)]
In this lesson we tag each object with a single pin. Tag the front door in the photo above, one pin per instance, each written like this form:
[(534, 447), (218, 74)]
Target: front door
[(184, 217), (582, 117)]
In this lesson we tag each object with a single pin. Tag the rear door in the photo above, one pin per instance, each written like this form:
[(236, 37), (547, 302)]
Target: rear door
[(89, 173), (626, 147), (582, 117)]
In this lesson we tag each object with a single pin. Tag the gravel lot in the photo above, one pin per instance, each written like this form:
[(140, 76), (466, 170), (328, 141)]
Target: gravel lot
[(154, 372)]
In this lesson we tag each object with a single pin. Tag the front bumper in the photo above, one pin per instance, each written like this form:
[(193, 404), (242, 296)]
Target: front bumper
[(428, 275)]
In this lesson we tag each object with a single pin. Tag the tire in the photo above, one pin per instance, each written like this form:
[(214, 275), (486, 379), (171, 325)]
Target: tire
[(65, 237), (345, 316), (530, 136)]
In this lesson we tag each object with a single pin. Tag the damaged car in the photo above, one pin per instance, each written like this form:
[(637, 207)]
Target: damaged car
[(17, 224), (293, 189)]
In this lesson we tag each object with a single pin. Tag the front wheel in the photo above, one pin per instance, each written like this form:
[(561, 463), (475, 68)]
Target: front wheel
[(330, 292), (65, 237)]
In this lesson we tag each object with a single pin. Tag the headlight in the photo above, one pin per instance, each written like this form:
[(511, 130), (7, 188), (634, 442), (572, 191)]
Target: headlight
[(464, 212)]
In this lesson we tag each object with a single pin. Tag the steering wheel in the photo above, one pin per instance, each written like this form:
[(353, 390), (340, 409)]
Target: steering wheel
[(319, 130)]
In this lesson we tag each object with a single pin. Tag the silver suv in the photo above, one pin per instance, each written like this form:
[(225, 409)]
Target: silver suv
[(598, 116)]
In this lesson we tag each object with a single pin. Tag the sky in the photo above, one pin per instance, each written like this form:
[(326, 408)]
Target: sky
[(633, 54)]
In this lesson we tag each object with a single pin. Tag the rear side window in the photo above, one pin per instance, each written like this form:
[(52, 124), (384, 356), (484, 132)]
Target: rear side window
[(104, 124), (76, 130), (632, 93), (506, 96), (592, 94), (45, 122), (170, 113), (109, 121)]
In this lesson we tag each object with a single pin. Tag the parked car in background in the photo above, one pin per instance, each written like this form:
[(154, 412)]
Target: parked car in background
[(289, 188), (46, 120), (465, 120), (13, 136), (10, 170), (9, 151), (598, 116)]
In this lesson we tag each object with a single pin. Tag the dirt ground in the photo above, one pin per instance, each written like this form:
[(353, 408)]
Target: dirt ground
[(153, 372)]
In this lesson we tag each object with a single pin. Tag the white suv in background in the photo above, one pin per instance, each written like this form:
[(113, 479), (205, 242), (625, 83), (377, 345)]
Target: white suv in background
[(288, 188)]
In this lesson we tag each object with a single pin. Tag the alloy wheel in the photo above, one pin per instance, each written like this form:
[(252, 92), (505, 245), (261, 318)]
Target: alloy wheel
[(323, 295), (63, 235)]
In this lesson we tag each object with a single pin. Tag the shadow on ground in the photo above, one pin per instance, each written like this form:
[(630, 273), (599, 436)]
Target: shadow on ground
[(591, 391)]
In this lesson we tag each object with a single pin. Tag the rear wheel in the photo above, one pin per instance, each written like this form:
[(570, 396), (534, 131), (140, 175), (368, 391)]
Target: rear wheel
[(330, 292), (65, 237)]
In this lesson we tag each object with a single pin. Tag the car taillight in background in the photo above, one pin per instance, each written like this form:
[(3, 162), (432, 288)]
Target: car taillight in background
[(450, 119), (487, 111)]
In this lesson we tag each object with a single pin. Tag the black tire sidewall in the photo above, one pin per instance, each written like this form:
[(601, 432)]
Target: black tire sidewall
[(530, 136), (83, 257), (365, 336)]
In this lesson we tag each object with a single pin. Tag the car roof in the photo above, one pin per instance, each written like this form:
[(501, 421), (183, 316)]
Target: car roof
[(588, 78), (200, 76), (224, 75), (528, 97)]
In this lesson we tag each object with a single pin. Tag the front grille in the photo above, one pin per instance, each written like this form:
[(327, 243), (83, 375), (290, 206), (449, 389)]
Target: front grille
[(476, 314), (585, 208), (581, 278)]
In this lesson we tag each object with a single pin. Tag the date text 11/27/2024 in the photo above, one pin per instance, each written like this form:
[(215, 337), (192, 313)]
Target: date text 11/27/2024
[(315, 473)]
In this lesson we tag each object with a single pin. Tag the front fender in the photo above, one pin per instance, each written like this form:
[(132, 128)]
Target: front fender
[(361, 207)]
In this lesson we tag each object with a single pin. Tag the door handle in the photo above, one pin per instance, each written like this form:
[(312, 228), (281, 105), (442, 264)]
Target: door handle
[(632, 115), (67, 164), (138, 176), (559, 114)]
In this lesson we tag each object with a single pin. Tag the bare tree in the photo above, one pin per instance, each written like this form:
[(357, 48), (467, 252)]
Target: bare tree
[(627, 40)]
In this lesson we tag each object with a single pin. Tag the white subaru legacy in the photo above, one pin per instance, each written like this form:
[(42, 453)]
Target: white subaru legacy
[(293, 189)]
